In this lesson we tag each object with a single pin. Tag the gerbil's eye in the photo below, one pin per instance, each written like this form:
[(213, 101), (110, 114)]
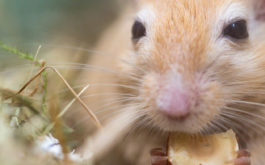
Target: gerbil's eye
[(138, 31), (237, 30)]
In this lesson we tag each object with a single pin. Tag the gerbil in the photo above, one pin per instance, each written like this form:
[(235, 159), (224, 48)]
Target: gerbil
[(193, 66)]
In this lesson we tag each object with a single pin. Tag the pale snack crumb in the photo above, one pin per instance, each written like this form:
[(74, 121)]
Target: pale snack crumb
[(217, 149)]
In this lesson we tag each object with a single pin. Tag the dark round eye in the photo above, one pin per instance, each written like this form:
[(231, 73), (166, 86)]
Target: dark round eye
[(237, 30), (138, 31)]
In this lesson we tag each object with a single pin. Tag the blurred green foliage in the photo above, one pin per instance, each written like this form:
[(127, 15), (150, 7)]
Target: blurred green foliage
[(26, 24), (27, 21)]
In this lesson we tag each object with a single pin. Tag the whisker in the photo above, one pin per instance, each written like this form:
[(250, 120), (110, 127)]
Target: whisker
[(245, 102), (235, 127), (78, 66), (211, 126), (133, 65), (117, 102), (80, 86), (260, 92), (77, 48), (115, 85), (121, 110), (245, 112), (109, 94), (246, 81), (136, 106), (245, 120)]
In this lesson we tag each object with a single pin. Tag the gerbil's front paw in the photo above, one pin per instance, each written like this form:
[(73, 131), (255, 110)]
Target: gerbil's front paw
[(243, 158), (158, 157)]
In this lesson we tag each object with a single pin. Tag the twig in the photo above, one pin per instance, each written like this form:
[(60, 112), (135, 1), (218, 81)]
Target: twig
[(92, 115), (31, 71), (71, 103), (51, 126)]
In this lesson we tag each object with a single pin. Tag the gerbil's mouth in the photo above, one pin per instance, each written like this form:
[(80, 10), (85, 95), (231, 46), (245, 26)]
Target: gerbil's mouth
[(212, 131), (195, 122), (178, 119)]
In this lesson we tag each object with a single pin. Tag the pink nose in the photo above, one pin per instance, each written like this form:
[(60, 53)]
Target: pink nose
[(174, 101)]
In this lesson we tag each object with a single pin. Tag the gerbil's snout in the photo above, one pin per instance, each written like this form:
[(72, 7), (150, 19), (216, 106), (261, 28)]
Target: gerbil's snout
[(180, 101), (174, 97)]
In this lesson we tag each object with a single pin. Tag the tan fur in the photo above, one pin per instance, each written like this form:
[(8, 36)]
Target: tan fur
[(185, 38)]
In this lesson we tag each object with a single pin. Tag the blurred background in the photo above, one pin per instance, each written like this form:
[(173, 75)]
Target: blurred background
[(30, 23), (68, 31)]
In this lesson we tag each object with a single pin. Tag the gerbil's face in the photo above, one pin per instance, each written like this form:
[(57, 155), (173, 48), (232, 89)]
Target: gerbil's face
[(193, 59)]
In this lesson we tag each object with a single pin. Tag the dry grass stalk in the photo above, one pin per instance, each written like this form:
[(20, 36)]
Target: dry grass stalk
[(90, 112)]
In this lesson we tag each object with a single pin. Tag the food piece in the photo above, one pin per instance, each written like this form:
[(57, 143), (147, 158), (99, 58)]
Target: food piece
[(217, 149)]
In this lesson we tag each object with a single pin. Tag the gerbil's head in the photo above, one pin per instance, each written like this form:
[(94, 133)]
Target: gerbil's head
[(195, 58)]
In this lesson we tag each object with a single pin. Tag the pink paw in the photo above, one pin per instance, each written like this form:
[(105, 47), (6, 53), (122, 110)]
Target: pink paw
[(243, 158), (158, 157)]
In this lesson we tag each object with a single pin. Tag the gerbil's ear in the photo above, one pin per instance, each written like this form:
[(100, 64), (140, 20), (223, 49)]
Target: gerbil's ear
[(259, 8)]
